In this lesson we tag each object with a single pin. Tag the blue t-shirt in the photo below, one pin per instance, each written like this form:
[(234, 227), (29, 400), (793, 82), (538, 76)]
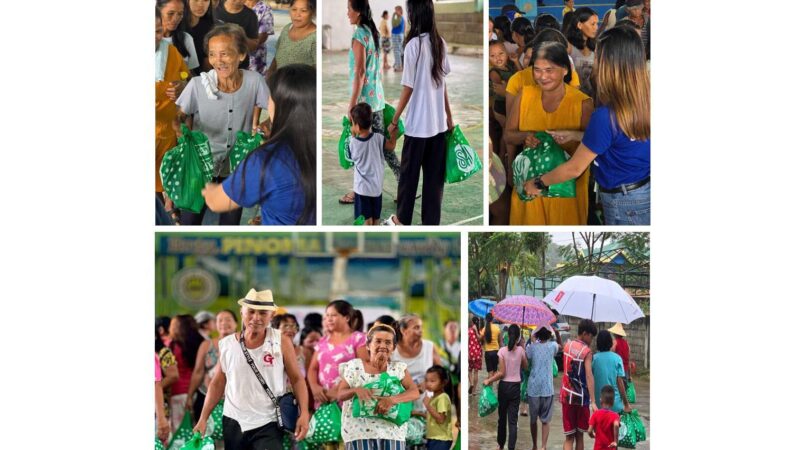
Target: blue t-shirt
[(280, 194), (401, 28), (620, 160), (540, 355), (606, 367)]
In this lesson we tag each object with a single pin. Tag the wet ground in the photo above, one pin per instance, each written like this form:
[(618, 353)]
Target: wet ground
[(463, 202), (483, 430)]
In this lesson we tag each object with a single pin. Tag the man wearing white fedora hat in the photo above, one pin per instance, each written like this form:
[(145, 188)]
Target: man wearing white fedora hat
[(251, 379)]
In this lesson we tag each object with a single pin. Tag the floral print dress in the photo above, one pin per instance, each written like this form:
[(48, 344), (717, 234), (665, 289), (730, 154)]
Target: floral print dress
[(372, 92), (266, 24)]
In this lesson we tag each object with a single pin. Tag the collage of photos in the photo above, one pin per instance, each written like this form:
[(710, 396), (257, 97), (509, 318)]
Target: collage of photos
[(325, 335)]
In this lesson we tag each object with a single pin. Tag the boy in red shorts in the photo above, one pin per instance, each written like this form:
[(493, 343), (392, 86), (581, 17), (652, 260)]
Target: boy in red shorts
[(604, 424), (577, 386)]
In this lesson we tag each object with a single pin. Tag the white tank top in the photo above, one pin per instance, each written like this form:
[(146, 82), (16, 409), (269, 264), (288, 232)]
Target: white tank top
[(417, 366), (245, 399)]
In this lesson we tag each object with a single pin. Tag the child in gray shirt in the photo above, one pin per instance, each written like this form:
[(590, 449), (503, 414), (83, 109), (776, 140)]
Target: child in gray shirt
[(366, 150)]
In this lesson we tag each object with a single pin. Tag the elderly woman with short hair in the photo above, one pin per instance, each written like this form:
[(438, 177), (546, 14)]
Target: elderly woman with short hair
[(364, 432), (250, 418)]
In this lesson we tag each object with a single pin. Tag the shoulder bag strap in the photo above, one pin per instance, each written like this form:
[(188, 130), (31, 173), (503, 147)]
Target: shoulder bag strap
[(261, 378)]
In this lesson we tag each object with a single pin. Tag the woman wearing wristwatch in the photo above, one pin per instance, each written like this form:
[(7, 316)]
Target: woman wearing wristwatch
[(617, 138), (550, 103)]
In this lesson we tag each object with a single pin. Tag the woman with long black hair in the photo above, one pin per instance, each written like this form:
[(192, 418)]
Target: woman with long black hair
[(281, 174), (175, 21), (512, 363), (428, 118), (581, 34), (491, 344)]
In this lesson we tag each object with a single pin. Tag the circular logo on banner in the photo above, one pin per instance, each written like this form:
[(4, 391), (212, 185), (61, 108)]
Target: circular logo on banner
[(464, 158), (195, 288)]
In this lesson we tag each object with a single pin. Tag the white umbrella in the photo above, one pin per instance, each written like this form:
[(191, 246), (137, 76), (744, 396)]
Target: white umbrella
[(593, 298)]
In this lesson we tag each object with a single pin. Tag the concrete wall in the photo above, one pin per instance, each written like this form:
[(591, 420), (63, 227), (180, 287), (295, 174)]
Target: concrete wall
[(638, 338)]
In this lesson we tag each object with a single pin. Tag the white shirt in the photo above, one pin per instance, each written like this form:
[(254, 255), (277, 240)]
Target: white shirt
[(192, 61), (245, 399), (425, 114), (417, 366)]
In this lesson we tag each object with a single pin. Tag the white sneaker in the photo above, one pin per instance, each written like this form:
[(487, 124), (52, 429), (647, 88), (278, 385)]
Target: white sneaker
[(390, 221)]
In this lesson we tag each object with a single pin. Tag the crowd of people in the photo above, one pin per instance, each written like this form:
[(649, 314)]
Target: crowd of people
[(239, 361), (420, 53), (212, 76), (592, 388), (584, 81)]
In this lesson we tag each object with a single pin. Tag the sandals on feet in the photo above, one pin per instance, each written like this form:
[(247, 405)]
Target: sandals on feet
[(348, 199)]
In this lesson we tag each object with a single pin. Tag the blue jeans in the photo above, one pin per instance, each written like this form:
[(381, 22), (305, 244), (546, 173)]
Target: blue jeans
[(397, 47), (627, 208)]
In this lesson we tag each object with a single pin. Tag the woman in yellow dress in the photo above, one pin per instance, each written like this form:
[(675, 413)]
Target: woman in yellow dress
[(550, 104)]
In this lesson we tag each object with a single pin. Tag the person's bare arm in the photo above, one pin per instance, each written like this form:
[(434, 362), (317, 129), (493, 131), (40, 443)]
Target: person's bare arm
[(217, 200), (405, 96), (313, 381), (437, 360), (262, 37), (162, 424), (524, 362), (216, 390), (359, 72), (436, 415), (450, 125), (616, 434), (590, 384), (498, 84), (361, 353), (299, 387), (569, 170), (199, 371), (501, 372), (252, 44), (511, 134)]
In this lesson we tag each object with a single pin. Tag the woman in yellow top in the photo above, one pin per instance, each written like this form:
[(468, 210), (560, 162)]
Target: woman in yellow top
[(549, 105), (491, 338), (525, 77), (169, 66)]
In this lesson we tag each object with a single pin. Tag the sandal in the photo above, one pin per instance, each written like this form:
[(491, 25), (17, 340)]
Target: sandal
[(348, 199), (391, 221)]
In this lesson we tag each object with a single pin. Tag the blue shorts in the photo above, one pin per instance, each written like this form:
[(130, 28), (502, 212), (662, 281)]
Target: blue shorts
[(369, 207), (439, 445)]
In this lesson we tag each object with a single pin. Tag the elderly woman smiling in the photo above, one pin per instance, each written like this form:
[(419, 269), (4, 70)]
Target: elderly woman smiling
[(361, 432)]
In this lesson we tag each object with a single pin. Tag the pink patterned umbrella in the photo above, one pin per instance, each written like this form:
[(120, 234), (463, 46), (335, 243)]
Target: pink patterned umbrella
[(523, 310)]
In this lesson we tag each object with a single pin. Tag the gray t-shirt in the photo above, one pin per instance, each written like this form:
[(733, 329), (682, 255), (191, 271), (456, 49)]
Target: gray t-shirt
[(220, 119), (583, 65), (367, 154)]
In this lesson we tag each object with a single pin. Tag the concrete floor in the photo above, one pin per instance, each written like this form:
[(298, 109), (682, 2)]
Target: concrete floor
[(483, 430), (463, 202)]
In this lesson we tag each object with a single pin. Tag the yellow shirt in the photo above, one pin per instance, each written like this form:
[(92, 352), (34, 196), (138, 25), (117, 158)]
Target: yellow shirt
[(440, 431), (494, 344), (566, 10), (525, 78), (533, 117)]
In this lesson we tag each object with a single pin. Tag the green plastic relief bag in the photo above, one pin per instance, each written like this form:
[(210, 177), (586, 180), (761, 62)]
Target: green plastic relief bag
[(385, 386), (245, 143), (631, 429), (186, 169), (214, 424), (388, 115), (630, 391), (487, 402), (198, 442), (462, 160), (325, 425), (345, 160), (183, 434), (533, 162), (415, 431), (159, 444), (555, 369)]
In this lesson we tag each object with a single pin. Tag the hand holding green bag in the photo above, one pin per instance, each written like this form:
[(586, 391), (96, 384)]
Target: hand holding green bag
[(631, 430), (198, 442), (186, 169), (183, 434), (245, 143), (325, 425), (630, 391), (555, 369), (537, 161), (345, 160), (385, 386), (388, 115), (462, 160), (487, 402), (214, 424)]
